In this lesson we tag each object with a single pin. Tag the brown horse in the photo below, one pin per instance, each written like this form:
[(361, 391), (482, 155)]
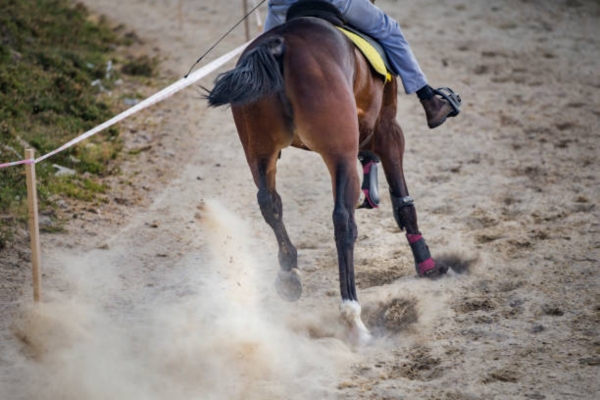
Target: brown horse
[(304, 84)]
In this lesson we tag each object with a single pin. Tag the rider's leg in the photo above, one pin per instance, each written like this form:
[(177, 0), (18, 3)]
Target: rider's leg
[(374, 22), (276, 13), (370, 19)]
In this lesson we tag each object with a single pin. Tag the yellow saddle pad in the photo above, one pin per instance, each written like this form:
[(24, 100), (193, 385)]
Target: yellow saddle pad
[(370, 53)]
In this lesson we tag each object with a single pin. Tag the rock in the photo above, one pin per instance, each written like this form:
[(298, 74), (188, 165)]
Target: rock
[(63, 171)]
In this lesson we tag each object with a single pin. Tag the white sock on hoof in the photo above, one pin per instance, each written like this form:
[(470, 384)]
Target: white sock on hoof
[(350, 310)]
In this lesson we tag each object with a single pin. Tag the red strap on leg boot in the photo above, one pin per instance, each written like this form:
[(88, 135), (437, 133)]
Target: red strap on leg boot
[(424, 263)]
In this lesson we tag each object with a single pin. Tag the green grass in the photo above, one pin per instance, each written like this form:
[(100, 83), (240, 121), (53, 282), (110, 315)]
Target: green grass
[(53, 68)]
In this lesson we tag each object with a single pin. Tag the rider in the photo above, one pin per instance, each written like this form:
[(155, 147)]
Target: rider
[(366, 17)]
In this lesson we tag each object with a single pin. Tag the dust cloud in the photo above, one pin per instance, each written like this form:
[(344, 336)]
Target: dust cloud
[(208, 331)]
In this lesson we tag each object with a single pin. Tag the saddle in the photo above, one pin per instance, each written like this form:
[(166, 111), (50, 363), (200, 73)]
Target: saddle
[(369, 47), (375, 55)]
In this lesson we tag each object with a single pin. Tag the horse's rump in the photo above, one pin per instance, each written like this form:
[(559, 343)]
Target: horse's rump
[(259, 71)]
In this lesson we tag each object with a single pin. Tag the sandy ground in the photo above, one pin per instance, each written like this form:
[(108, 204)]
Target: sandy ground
[(166, 291)]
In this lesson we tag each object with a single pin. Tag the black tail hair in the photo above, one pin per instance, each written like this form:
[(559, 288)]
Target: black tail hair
[(257, 74)]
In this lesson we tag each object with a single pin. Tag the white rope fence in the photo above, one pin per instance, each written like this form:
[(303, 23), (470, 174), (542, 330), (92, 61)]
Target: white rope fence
[(29, 161)]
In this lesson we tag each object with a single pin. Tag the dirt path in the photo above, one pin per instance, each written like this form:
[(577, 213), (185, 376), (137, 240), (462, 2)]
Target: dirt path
[(166, 293)]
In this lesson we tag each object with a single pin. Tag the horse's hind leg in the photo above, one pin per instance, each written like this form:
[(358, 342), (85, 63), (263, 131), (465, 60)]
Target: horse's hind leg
[(288, 279), (263, 139), (345, 184), (389, 145)]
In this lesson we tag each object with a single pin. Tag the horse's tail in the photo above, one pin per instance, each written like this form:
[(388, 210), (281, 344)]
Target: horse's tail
[(258, 73)]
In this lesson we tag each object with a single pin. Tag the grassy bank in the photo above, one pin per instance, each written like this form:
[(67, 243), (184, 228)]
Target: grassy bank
[(56, 66)]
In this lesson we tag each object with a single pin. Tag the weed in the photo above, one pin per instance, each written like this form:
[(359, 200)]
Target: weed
[(141, 66)]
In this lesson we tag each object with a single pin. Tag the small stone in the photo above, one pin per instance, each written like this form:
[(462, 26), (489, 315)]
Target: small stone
[(63, 171), (553, 310), (516, 302), (537, 328)]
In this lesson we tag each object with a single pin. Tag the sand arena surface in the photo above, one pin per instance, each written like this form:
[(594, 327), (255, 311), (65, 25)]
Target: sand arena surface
[(167, 291)]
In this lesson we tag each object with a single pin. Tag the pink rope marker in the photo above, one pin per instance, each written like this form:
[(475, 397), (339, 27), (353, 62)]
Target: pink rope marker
[(14, 163)]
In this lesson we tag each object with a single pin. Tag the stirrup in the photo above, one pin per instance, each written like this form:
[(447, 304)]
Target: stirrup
[(452, 98), (370, 185)]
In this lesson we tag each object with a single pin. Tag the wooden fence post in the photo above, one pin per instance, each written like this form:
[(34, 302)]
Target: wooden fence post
[(34, 227), (259, 23), (246, 22)]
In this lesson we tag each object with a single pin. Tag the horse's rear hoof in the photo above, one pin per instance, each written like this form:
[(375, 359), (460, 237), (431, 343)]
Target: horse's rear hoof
[(288, 284), (358, 334)]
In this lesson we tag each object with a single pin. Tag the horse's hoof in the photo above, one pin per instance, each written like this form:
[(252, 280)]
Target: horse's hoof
[(358, 334), (435, 273), (431, 269), (288, 284)]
